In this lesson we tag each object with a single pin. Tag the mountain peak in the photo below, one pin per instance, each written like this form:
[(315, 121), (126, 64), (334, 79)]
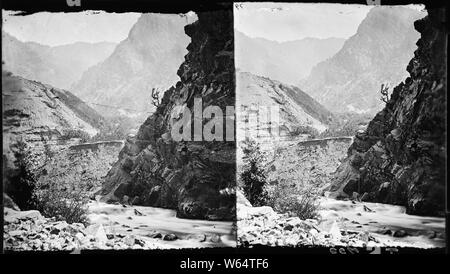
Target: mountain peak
[(59, 66), (148, 58), (350, 80), (283, 61)]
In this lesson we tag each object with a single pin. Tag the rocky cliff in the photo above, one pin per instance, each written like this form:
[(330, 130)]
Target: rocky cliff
[(377, 53), (307, 164), (400, 158), (195, 178)]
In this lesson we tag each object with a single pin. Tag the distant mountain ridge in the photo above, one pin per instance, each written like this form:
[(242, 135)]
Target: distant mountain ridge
[(60, 66), (378, 53), (283, 61), (148, 58)]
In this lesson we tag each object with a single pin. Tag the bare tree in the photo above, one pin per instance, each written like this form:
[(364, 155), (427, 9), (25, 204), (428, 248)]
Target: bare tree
[(156, 101), (384, 93)]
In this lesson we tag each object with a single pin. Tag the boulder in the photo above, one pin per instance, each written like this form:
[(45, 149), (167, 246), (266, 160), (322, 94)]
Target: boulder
[(97, 232), (170, 237), (12, 216), (241, 199), (335, 232), (400, 233), (9, 203)]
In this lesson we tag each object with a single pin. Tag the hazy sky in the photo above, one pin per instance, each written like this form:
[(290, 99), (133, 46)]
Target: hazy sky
[(298, 20), (293, 21), (64, 28)]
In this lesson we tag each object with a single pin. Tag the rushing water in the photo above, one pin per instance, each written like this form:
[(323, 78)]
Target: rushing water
[(190, 233), (383, 220)]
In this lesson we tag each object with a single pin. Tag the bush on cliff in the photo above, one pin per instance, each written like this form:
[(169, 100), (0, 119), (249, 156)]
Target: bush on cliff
[(310, 131), (74, 133), (253, 177), (21, 183)]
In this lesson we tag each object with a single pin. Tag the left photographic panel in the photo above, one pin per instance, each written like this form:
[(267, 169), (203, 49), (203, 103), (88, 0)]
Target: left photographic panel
[(118, 130)]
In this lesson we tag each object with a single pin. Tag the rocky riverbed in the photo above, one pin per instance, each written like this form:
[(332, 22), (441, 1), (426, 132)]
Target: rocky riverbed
[(388, 223), (113, 227), (341, 223)]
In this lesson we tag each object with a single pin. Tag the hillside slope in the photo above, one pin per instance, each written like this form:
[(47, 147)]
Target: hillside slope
[(297, 109), (38, 114)]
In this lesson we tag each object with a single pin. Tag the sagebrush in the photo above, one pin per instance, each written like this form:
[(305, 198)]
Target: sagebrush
[(303, 204), (21, 180), (68, 181), (253, 176)]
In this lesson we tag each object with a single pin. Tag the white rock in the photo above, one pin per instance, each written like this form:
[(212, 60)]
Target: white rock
[(15, 233), (11, 216), (80, 237), (266, 211), (313, 232), (129, 240), (241, 200), (335, 232), (55, 245), (291, 240), (294, 221), (98, 233)]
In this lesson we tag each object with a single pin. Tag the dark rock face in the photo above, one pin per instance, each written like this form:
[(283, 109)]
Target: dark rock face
[(195, 178), (400, 158)]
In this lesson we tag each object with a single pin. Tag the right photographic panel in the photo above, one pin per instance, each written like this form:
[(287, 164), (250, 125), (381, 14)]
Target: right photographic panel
[(341, 125)]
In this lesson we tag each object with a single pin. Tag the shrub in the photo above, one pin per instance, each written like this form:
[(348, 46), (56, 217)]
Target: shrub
[(312, 132), (62, 204), (304, 205), (61, 192), (75, 133), (253, 176), (68, 179), (21, 180), (59, 197), (384, 90)]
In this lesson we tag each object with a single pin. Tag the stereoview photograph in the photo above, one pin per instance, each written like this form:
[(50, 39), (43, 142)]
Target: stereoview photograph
[(91, 157), (294, 127), (341, 125)]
